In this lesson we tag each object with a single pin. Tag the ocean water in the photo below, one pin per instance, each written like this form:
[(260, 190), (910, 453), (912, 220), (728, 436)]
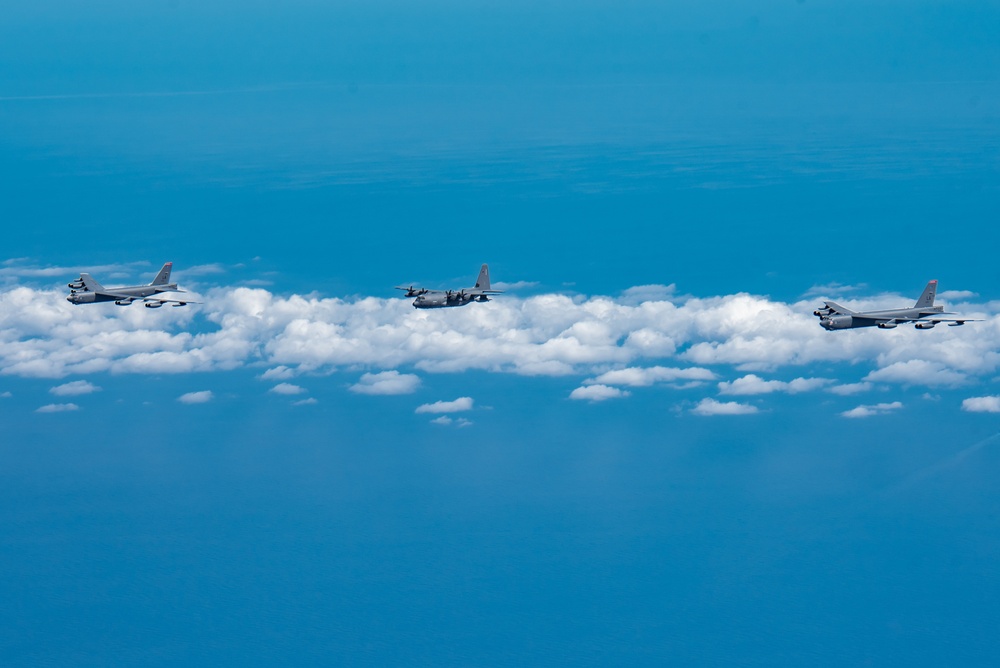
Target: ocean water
[(353, 533)]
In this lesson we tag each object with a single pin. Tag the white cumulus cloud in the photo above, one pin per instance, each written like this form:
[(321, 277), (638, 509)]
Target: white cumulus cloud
[(752, 384), (644, 376), (917, 372), (278, 373), (74, 388), (645, 336), (444, 420), (387, 382), (287, 388), (456, 406), (648, 293), (956, 295), (874, 409), (597, 393), (990, 404), (709, 406), (196, 397), (57, 408), (851, 388)]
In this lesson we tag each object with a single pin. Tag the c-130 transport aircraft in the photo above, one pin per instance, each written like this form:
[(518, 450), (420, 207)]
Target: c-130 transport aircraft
[(923, 314), (86, 290), (445, 298)]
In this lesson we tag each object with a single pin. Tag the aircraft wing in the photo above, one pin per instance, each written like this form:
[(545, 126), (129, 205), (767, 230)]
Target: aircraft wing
[(118, 296), (838, 309), (927, 323), (156, 302), (415, 292)]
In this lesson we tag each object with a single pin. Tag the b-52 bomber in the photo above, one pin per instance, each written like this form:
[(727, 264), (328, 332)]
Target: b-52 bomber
[(444, 298), (923, 315), (86, 290)]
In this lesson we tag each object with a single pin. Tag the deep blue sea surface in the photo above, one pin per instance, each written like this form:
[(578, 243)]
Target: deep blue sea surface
[(339, 534)]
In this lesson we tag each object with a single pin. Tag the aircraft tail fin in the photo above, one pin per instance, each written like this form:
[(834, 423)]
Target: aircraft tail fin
[(483, 282), (927, 298), (163, 277), (90, 283)]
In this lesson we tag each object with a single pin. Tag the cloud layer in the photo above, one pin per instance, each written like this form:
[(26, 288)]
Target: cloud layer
[(645, 336)]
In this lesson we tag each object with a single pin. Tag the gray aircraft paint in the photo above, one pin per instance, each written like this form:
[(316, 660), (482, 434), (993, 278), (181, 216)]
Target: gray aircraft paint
[(87, 290), (447, 298), (923, 314)]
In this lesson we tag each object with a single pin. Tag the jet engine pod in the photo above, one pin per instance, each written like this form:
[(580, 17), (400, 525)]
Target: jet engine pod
[(837, 322), (75, 285), (154, 304), (887, 325), (124, 302), (925, 325)]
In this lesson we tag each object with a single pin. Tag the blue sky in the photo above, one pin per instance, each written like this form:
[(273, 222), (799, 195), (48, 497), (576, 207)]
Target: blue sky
[(647, 450)]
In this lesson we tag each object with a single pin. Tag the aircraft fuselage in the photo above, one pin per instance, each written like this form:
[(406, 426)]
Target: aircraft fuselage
[(877, 318), (445, 300), (133, 292)]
